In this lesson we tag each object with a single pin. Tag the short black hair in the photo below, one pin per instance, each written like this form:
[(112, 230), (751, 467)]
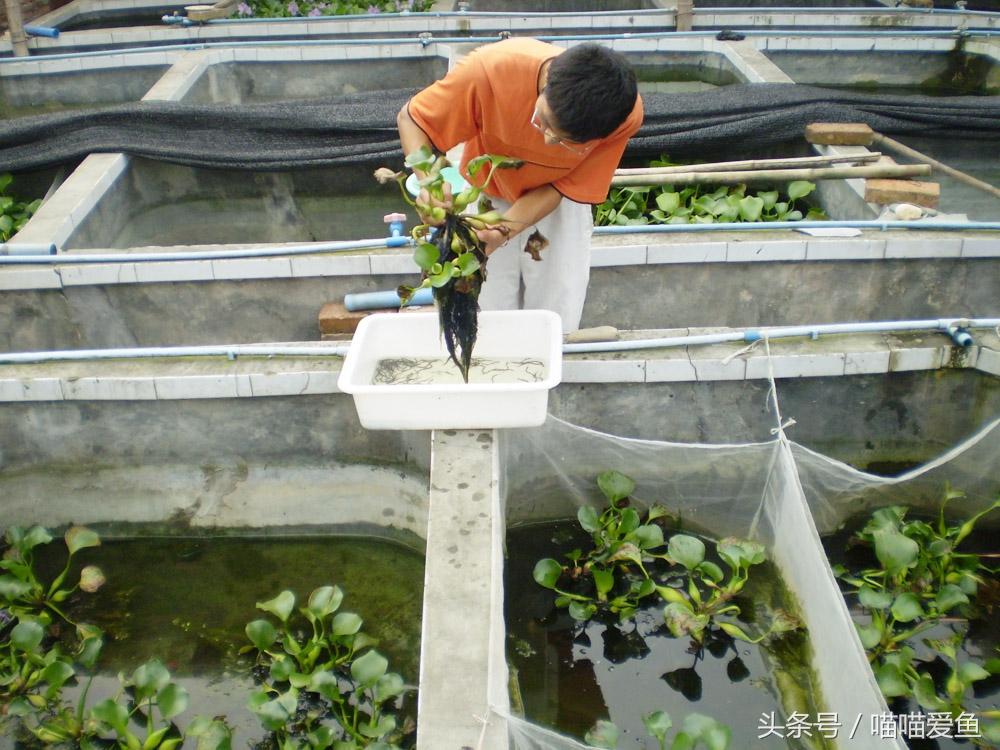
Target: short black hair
[(591, 90)]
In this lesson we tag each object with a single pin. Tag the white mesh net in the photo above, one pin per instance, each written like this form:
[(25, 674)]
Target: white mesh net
[(779, 493)]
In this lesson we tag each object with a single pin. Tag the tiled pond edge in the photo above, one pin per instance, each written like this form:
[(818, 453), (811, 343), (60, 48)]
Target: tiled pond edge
[(214, 378)]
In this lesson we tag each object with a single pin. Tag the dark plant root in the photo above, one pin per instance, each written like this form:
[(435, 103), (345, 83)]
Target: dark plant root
[(458, 300)]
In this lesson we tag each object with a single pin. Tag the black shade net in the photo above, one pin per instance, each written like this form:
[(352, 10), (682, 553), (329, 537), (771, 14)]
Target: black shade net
[(361, 128)]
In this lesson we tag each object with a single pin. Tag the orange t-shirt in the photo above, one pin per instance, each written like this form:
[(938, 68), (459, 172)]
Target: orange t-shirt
[(486, 101)]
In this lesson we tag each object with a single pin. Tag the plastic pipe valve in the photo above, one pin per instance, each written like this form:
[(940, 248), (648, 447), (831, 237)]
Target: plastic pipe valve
[(396, 226), (960, 335)]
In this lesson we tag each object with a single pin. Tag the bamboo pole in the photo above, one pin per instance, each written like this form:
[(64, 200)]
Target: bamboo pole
[(732, 166), (962, 177), (15, 22), (774, 175)]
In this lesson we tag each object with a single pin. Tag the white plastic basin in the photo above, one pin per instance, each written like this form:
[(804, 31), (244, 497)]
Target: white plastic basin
[(507, 336)]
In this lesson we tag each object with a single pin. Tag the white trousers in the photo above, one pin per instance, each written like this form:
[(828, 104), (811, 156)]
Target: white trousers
[(559, 281)]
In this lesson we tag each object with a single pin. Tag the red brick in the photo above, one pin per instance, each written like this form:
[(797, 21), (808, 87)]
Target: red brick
[(924, 194), (335, 318), (839, 133)]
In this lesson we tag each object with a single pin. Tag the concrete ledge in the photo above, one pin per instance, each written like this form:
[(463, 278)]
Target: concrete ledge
[(167, 379), (462, 638)]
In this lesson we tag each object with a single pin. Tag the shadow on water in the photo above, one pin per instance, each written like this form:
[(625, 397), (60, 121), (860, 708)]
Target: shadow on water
[(567, 675)]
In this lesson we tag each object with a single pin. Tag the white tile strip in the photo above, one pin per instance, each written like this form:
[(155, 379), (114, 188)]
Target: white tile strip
[(774, 250), (988, 361), (109, 389), (698, 364), (944, 247), (603, 371), (622, 255), (687, 252)]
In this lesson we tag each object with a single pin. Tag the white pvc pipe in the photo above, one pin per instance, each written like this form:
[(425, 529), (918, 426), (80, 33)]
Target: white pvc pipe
[(951, 326), (231, 351)]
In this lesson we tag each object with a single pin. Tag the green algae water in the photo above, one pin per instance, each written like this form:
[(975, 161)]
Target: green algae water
[(566, 676), (187, 601)]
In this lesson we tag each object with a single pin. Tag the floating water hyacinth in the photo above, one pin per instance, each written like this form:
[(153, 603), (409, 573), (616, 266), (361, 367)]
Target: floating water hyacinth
[(450, 253)]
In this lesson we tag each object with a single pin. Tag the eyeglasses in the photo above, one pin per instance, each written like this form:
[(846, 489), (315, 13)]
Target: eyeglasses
[(572, 146)]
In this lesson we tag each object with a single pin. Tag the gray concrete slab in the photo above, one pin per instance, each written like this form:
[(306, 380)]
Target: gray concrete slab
[(463, 670)]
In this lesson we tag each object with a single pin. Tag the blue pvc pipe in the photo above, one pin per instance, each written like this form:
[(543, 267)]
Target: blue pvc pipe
[(251, 252), (230, 351), (945, 325), (379, 300), (196, 45), (23, 248), (763, 225), (49, 31)]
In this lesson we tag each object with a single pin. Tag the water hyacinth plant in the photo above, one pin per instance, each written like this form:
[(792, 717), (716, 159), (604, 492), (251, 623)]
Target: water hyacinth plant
[(617, 574), (14, 213), (321, 683), (922, 581), (325, 685), (704, 204), (23, 593), (450, 253), (315, 8)]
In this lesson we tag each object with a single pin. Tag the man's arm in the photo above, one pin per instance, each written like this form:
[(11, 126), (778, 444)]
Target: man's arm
[(411, 136), (526, 211)]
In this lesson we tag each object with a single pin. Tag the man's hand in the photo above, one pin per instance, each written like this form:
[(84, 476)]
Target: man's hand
[(493, 238), (432, 210)]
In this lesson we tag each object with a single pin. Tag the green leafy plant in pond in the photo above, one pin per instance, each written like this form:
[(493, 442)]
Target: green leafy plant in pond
[(33, 666), (22, 592), (325, 686), (313, 8), (704, 204), (450, 255), (139, 717), (623, 543), (706, 594), (615, 576), (921, 579), (14, 213), (33, 669), (697, 730)]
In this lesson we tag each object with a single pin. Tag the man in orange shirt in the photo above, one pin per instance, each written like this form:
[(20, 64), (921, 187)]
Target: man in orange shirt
[(567, 114)]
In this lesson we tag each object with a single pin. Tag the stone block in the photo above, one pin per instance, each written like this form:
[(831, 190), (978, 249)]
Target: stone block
[(839, 133), (926, 194)]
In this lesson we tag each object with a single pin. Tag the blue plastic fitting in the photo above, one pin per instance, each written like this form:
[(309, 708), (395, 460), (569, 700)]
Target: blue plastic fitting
[(50, 31), (960, 335), (751, 336), (378, 300), (396, 228)]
